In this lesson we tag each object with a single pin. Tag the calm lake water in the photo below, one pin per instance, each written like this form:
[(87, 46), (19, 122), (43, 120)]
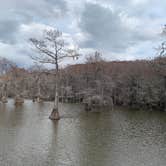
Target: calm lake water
[(111, 138)]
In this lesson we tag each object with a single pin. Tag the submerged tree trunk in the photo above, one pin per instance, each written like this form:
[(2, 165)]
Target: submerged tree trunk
[(55, 112), (4, 94), (19, 100), (39, 99)]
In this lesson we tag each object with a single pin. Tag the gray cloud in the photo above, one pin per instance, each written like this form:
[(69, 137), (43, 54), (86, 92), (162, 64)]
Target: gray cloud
[(127, 28), (59, 3), (106, 29), (8, 29), (17, 12)]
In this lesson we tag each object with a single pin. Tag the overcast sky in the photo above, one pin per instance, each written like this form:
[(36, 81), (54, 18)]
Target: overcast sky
[(120, 29)]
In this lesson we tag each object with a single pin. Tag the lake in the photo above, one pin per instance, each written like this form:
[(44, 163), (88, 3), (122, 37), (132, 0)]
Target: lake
[(112, 138)]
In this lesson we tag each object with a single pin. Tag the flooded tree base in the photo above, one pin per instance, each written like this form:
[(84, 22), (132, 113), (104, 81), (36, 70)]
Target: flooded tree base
[(18, 103), (4, 99), (18, 100), (54, 115), (39, 100)]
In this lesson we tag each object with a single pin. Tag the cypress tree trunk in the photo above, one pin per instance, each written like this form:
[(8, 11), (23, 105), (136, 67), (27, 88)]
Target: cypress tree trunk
[(39, 99), (55, 112), (4, 94)]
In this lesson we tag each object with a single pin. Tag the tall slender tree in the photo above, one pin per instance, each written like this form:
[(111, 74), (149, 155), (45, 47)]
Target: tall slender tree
[(53, 50)]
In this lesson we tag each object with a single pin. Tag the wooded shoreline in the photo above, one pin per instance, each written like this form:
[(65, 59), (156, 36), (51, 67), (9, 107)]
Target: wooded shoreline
[(136, 84)]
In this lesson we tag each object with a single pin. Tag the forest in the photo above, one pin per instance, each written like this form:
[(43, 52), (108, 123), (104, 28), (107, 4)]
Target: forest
[(137, 84)]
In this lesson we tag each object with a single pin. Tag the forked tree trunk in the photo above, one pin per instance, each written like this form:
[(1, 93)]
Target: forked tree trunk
[(55, 112)]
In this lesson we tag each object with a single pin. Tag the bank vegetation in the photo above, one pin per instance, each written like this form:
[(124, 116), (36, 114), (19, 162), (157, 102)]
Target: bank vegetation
[(137, 84)]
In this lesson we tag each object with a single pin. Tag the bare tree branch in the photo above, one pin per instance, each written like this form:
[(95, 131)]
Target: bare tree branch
[(52, 50)]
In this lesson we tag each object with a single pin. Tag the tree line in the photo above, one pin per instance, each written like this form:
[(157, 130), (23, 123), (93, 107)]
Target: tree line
[(138, 84)]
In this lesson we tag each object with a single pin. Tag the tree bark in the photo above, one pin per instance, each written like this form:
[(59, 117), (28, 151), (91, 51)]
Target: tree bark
[(4, 94), (39, 99), (55, 112)]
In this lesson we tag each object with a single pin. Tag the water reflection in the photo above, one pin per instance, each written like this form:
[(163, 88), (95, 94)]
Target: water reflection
[(116, 138)]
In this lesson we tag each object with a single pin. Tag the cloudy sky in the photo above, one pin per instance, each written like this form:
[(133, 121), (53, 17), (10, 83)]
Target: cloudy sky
[(123, 30)]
